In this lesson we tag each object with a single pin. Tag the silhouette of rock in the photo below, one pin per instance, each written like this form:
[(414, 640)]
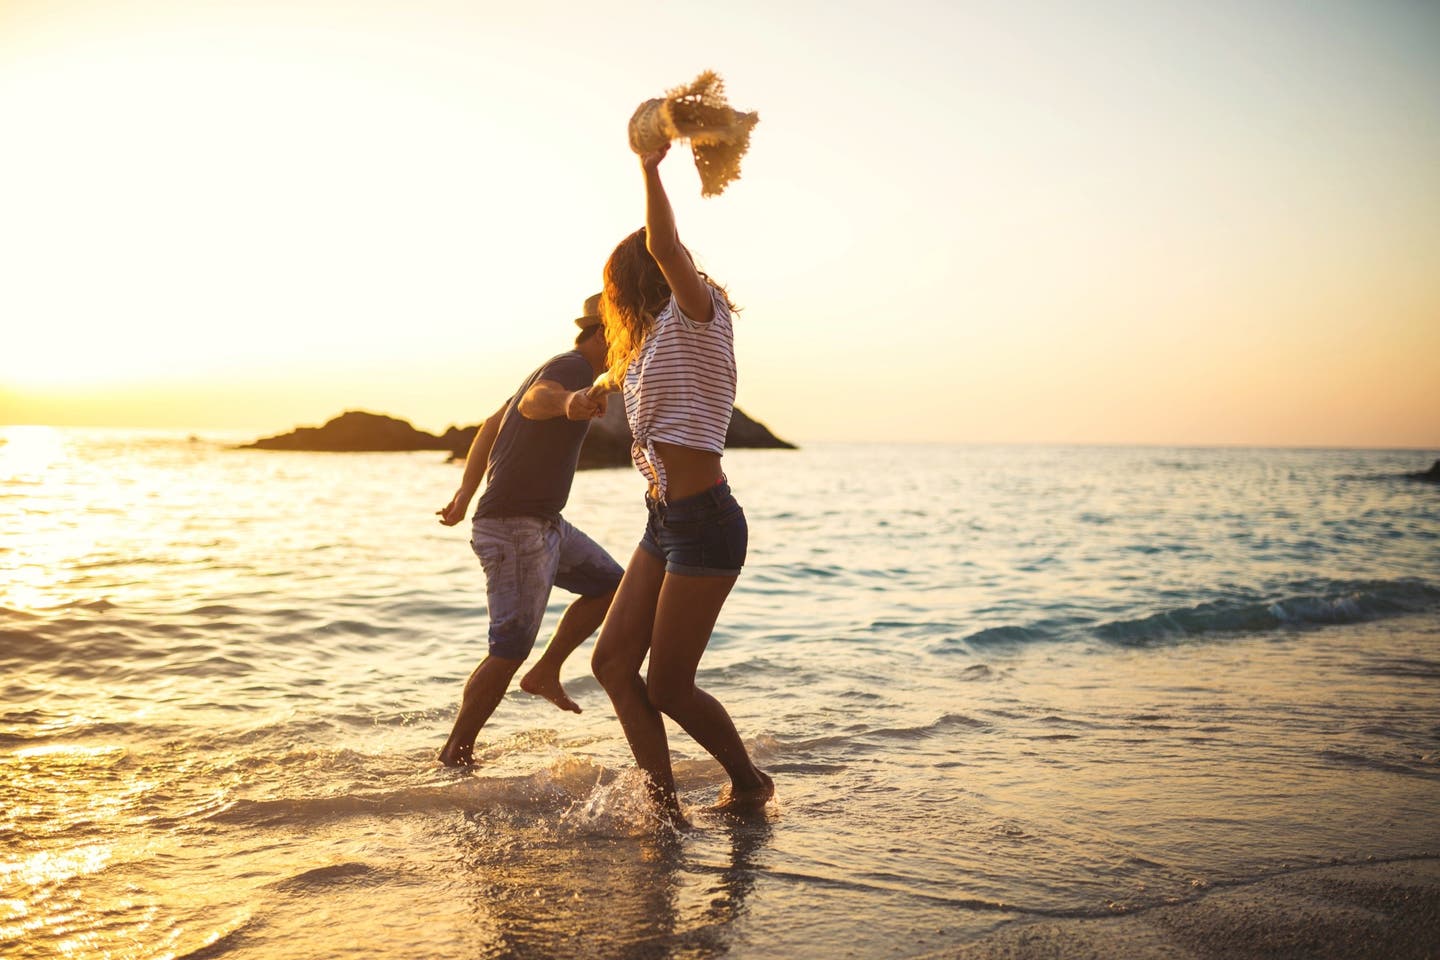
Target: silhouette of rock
[(1429, 476), (608, 442), (355, 432), (745, 432), (606, 445)]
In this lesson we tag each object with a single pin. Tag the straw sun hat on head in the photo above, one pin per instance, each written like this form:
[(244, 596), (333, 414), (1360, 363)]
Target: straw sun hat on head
[(591, 316)]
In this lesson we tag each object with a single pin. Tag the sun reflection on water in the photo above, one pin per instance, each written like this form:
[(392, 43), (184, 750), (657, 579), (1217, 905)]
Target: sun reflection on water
[(25, 452), (67, 750), (80, 525), (50, 867), (42, 877), (33, 568)]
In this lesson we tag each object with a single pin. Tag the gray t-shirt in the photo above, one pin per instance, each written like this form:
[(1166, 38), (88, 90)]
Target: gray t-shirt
[(532, 463)]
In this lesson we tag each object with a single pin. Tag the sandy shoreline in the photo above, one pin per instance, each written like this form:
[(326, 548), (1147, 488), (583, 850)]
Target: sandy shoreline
[(1389, 909)]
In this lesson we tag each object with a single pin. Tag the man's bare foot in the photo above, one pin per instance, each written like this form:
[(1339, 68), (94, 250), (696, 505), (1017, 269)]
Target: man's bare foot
[(738, 800), (547, 685), (457, 756)]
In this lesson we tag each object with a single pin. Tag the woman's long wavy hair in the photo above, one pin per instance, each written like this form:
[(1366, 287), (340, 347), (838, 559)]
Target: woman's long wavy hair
[(634, 292)]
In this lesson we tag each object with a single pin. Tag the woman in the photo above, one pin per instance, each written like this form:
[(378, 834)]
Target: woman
[(672, 354)]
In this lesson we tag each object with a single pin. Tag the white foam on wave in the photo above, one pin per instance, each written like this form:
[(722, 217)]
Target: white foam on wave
[(554, 786)]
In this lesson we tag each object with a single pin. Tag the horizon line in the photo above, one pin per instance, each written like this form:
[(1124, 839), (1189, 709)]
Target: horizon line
[(195, 431)]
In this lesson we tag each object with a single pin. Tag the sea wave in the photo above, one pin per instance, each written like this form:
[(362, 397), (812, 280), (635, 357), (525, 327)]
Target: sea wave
[(1295, 606), (1313, 604)]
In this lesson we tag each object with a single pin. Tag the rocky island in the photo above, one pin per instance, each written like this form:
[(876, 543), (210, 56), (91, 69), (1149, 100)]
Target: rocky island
[(606, 445), (1429, 476)]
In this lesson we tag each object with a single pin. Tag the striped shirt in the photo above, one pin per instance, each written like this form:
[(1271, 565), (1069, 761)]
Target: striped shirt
[(680, 388)]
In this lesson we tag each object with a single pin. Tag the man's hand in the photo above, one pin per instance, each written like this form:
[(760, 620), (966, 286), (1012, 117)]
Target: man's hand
[(579, 405), (600, 397), (454, 511)]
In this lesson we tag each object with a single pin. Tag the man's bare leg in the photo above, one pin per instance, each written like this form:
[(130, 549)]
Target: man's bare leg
[(576, 625), (483, 692)]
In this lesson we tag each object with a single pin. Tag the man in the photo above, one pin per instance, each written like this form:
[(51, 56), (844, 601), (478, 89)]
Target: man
[(527, 452)]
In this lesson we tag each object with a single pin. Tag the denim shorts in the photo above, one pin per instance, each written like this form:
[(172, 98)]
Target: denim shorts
[(704, 535), (523, 558)]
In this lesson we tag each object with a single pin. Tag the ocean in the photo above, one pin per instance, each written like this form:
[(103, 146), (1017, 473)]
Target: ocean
[(993, 685)]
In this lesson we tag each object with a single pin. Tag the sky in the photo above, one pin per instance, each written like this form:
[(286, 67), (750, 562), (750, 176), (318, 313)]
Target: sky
[(1030, 221)]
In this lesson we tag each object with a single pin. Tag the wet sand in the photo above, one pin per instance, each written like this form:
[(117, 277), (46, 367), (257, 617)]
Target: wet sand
[(1389, 910)]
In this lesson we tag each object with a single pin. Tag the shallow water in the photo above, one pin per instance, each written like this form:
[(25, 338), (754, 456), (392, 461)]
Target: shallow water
[(990, 682)]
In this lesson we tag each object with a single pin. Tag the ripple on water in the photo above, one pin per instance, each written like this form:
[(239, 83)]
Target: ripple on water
[(911, 780)]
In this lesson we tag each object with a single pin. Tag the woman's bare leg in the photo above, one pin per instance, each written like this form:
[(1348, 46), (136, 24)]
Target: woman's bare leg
[(624, 641), (685, 615)]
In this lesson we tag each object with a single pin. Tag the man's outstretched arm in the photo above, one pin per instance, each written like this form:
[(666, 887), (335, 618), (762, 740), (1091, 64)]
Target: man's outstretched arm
[(476, 461), (547, 399)]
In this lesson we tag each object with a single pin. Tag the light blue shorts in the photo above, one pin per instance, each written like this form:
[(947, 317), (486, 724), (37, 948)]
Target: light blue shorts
[(523, 557)]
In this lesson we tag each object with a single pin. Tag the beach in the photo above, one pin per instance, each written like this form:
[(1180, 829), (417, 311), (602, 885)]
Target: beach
[(1017, 702), (1375, 910)]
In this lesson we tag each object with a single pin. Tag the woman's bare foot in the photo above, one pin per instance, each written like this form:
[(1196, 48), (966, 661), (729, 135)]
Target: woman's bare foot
[(669, 814), (547, 685), (457, 756), (739, 800)]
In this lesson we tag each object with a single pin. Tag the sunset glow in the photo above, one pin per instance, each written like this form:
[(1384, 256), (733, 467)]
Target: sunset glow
[(1181, 223)]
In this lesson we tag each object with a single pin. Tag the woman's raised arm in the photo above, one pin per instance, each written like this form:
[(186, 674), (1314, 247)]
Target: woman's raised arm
[(692, 293)]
